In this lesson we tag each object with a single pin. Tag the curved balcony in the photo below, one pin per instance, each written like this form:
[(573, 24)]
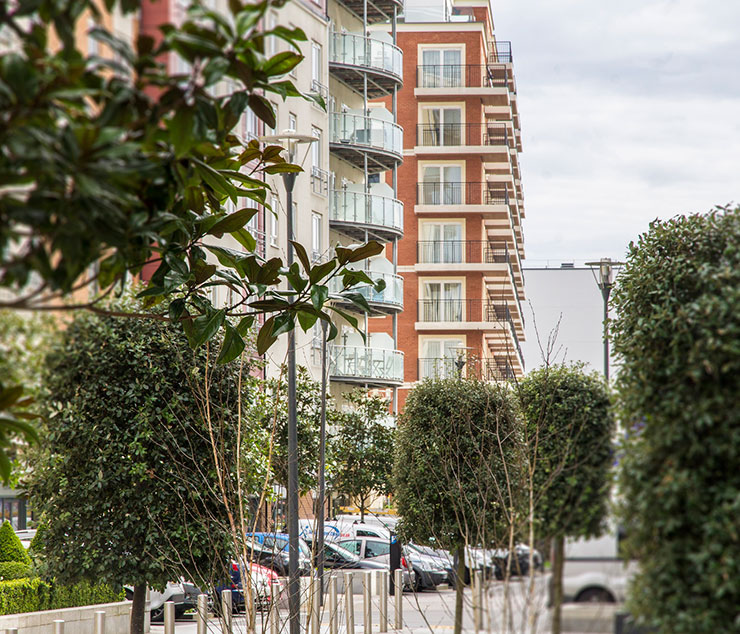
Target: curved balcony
[(368, 366), (353, 137), (387, 301), (357, 213), (354, 58)]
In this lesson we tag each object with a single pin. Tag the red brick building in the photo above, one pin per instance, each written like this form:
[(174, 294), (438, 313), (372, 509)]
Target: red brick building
[(460, 183)]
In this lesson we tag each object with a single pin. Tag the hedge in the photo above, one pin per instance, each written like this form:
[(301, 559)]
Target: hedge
[(14, 570), (34, 595), (11, 548)]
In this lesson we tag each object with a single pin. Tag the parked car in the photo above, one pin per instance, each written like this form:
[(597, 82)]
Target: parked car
[(336, 557), (182, 593), (336, 530), (445, 560), (429, 572), (261, 578), (271, 550), (519, 562)]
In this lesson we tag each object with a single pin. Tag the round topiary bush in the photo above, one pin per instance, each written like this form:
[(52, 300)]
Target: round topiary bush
[(677, 338), (11, 548)]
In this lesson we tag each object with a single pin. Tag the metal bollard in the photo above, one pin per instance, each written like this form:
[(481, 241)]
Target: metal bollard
[(367, 601), (398, 599), (274, 608), (169, 617), (58, 626), (333, 606), (226, 611), (349, 603), (99, 627), (316, 606), (383, 589), (202, 614), (478, 600)]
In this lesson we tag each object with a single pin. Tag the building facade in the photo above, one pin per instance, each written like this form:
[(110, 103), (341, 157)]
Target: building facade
[(460, 184)]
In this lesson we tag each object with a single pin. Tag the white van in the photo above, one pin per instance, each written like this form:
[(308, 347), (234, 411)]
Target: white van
[(335, 530), (593, 570)]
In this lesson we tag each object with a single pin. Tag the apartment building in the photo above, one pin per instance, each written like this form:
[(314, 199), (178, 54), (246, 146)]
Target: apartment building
[(460, 184)]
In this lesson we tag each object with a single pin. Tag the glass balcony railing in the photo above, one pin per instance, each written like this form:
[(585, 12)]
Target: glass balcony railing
[(367, 209), (391, 296), (369, 132), (371, 365), (355, 50)]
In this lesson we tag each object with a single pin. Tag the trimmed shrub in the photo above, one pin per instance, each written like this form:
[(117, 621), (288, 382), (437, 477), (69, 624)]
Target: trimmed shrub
[(34, 595), (677, 337), (14, 570), (11, 548)]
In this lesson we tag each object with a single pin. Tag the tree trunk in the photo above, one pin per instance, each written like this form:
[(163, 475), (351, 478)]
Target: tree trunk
[(459, 588), (362, 510), (137, 609), (558, 551)]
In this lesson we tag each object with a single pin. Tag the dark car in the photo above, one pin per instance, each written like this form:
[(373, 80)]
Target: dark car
[(271, 551), (429, 572), (337, 557), (442, 557)]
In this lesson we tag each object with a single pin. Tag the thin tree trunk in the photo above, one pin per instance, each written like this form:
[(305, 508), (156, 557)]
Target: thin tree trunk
[(459, 588), (558, 549), (362, 511), (137, 609)]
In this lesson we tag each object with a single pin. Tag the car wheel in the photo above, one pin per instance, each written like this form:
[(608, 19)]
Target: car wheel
[(157, 614), (595, 595)]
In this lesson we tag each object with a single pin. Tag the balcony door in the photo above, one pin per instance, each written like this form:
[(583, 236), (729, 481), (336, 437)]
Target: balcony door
[(442, 185), (441, 68), (439, 356), (441, 126), (442, 243), (442, 301)]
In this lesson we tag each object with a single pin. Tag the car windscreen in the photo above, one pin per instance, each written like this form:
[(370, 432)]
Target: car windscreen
[(339, 551)]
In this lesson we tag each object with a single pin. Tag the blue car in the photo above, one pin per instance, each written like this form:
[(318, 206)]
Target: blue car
[(273, 552)]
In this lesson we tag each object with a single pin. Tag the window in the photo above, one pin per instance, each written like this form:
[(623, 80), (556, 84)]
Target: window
[(271, 40), (442, 68), (439, 357), (274, 203), (292, 122), (441, 243), (316, 70), (376, 549), (441, 126), (442, 185), (93, 47), (442, 301), (316, 236), (354, 546), (316, 147)]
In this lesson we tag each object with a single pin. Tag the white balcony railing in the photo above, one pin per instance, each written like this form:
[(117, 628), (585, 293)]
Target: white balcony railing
[(367, 209), (391, 296), (371, 364), (355, 50), (358, 130)]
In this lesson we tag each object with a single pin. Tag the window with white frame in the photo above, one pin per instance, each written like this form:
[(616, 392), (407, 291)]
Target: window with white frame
[(441, 243), (442, 185), (439, 356), (274, 224), (292, 122), (441, 125), (442, 68), (316, 147), (271, 43), (315, 236), (442, 301), (316, 59)]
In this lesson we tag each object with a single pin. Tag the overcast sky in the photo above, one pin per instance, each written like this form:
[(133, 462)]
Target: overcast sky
[(630, 111)]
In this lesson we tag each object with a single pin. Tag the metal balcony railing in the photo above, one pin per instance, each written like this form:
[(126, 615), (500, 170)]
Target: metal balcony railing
[(355, 50), (444, 134), (500, 52), (319, 89), (366, 364), (449, 368), (460, 310), (391, 296), (354, 129), (366, 209), (462, 76), (459, 193), (461, 252), (319, 181)]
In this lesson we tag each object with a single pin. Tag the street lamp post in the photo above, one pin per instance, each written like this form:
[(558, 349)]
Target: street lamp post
[(291, 140), (606, 269)]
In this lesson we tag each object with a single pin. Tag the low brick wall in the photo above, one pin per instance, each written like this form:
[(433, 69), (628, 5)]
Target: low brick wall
[(76, 620)]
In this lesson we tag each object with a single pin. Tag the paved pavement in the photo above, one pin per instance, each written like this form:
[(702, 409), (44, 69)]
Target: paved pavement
[(433, 611)]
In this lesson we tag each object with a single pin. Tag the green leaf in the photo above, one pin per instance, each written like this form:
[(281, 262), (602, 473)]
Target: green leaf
[(282, 63), (246, 239), (319, 295), (283, 168), (263, 109), (265, 338), (320, 271), (232, 222), (301, 254), (206, 326), (244, 325), (306, 319), (181, 131), (232, 346)]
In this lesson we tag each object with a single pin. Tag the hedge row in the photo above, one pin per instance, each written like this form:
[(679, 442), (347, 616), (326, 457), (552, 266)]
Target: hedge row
[(14, 570), (34, 595)]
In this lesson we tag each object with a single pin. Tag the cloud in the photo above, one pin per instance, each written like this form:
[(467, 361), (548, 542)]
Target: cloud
[(629, 112)]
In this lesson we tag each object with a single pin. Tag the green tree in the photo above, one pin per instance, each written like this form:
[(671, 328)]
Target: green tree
[(455, 470), (568, 437), (677, 338), (125, 475), (362, 448), (99, 178)]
